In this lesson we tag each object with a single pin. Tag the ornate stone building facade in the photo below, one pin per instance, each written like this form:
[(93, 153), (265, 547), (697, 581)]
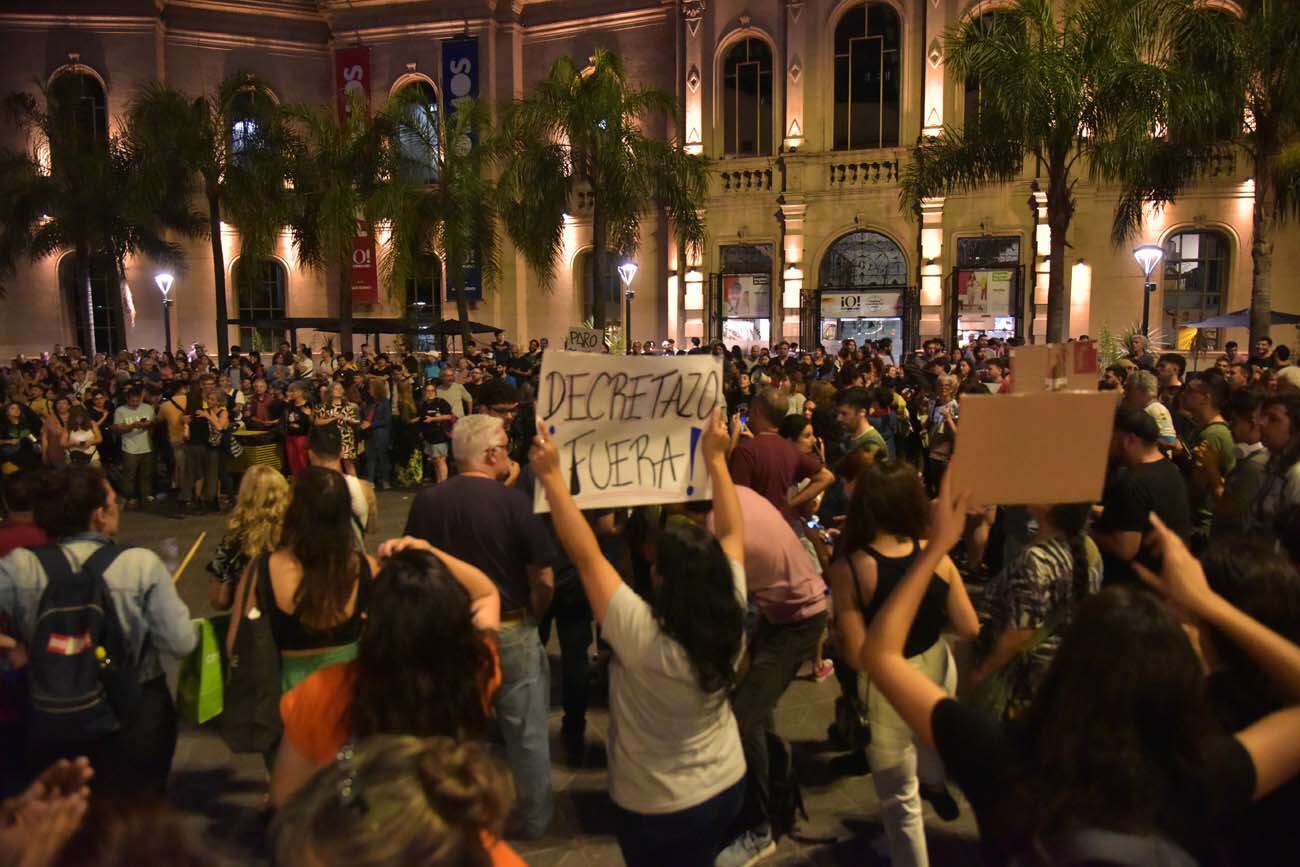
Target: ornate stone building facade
[(807, 107)]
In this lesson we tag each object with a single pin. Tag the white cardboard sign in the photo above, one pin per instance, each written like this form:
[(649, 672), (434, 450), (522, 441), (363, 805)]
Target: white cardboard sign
[(628, 427), (585, 340)]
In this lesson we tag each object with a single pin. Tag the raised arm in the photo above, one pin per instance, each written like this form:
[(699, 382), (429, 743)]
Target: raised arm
[(728, 523), (911, 693), (1271, 742), (484, 598), (600, 580)]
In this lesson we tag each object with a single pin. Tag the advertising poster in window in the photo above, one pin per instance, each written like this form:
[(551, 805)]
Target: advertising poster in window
[(747, 296), (985, 293), (352, 80)]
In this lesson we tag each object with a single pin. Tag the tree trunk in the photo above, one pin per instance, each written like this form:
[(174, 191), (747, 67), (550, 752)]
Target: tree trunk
[(462, 306), (81, 277), (218, 276), (599, 291), (1059, 212), (345, 308), (1261, 249)]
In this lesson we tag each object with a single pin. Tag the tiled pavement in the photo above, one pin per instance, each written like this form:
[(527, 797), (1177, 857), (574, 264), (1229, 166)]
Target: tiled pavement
[(221, 792)]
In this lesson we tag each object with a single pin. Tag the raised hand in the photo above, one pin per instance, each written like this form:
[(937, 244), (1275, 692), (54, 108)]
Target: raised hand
[(714, 442), (1181, 580), (544, 456)]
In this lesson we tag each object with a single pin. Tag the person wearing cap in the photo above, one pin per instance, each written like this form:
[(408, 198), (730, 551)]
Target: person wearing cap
[(1144, 481)]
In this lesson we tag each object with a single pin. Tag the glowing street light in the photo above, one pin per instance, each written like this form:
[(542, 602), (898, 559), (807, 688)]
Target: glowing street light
[(626, 272), (164, 282), (1148, 257)]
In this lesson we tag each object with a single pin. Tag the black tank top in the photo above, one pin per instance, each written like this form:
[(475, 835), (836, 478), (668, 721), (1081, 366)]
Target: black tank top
[(931, 617), (291, 633)]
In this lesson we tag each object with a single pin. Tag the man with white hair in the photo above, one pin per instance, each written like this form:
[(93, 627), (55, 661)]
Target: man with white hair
[(1142, 392), (475, 517)]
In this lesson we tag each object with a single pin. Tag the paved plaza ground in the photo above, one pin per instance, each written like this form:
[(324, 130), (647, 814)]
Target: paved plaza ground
[(221, 792)]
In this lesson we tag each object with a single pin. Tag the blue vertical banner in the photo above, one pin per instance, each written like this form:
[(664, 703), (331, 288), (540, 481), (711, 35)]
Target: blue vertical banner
[(460, 81)]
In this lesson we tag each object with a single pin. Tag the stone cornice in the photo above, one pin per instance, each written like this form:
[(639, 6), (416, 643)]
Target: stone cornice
[(611, 21), (266, 8), (98, 23), (208, 39)]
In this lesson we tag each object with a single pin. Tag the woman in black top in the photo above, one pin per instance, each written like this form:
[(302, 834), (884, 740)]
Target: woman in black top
[(888, 520), (1117, 752)]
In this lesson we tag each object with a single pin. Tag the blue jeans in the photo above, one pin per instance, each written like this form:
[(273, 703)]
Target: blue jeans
[(521, 706), (375, 465), (687, 838)]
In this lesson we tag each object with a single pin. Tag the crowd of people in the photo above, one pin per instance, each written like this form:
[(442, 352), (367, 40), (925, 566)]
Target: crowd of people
[(1105, 683)]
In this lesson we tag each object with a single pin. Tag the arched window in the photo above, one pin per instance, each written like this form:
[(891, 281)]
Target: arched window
[(1196, 280), (419, 137), (244, 113), (974, 92), (584, 274), (868, 42), (82, 94), (262, 298), (863, 260), (747, 99), (102, 312)]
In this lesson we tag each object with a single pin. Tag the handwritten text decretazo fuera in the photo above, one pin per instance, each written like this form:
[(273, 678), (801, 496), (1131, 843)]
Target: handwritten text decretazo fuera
[(628, 427)]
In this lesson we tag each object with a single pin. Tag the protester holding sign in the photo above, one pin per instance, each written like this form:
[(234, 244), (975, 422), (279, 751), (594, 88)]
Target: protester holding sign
[(1160, 782), (674, 663)]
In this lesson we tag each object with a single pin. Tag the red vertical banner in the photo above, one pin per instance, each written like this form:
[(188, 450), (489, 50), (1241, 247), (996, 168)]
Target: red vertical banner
[(352, 77)]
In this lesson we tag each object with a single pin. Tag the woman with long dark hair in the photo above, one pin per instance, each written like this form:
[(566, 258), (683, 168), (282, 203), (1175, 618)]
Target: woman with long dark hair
[(426, 665), (1117, 750), (1030, 602), (884, 535), (320, 581), (675, 761)]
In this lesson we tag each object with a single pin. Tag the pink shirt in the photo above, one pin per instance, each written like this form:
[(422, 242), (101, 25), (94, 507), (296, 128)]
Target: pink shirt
[(779, 572)]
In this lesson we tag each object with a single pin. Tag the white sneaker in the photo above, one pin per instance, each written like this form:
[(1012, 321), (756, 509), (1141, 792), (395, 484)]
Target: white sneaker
[(747, 849)]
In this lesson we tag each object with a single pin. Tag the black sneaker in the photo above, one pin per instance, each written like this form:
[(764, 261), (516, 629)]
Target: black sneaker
[(945, 805)]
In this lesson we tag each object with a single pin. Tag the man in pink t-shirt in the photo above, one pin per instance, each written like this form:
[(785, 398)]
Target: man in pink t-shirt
[(787, 589)]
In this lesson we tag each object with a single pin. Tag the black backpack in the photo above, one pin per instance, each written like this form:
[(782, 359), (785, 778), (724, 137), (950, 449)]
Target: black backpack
[(785, 798), (83, 677)]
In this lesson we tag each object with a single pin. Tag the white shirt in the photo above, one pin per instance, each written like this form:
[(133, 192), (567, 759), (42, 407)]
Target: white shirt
[(671, 746), (1164, 421), (456, 395), (135, 442)]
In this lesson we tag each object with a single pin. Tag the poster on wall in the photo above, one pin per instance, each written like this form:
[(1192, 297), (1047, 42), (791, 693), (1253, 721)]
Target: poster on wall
[(352, 84), (460, 81), (859, 305), (985, 293), (747, 296)]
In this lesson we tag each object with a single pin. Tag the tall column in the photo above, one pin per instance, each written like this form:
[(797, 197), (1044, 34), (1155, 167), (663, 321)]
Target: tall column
[(936, 20), (796, 49), (1040, 268), (693, 21), (793, 212), (931, 294)]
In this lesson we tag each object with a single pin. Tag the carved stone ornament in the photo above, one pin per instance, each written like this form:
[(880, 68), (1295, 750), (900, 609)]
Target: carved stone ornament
[(693, 12), (935, 54), (796, 70), (693, 79), (796, 9)]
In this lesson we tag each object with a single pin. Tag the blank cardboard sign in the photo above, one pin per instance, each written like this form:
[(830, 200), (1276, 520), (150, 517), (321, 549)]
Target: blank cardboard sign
[(1026, 449)]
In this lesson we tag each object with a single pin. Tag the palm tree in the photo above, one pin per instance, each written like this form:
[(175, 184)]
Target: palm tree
[(1079, 92), (436, 197), (586, 127), (225, 147), (1254, 63), (334, 169), (87, 197)]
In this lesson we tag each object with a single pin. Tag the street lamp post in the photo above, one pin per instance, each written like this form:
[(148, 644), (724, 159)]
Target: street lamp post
[(1148, 257), (627, 271), (164, 282)]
